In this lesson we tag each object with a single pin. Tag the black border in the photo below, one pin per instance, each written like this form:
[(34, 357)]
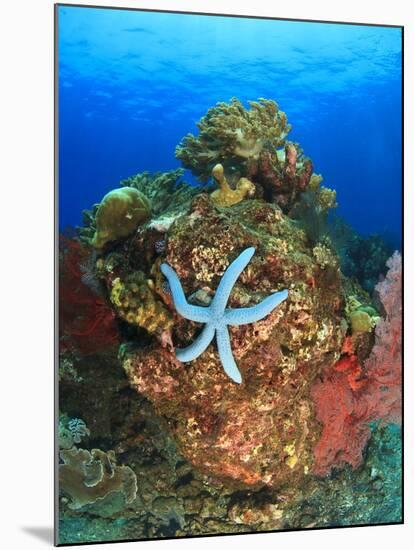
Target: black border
[(56, 255)]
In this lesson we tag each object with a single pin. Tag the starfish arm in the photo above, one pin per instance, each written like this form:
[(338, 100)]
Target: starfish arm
[(226, 355), (245, 315), (199, 345), (190, 312), (230, 277)]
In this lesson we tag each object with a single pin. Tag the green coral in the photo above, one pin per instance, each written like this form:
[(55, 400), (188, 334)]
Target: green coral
[(119, 214), (231, 134)]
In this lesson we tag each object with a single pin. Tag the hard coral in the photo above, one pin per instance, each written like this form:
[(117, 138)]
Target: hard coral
[(119, 214), (167, 191), (350, 395)]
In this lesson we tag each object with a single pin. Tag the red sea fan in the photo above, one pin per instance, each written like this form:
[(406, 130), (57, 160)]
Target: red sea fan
[(86, 322), (350, 396)]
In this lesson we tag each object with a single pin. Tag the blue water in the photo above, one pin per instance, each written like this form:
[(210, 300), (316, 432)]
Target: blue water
[(132, 84)]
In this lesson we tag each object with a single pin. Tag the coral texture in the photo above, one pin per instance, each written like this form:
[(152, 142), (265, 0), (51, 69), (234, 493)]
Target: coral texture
[(89, 477), (264, 431), (231, 135), (350, 395)]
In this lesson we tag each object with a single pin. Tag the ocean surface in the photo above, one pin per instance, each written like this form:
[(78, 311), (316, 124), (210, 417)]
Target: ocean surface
[(132, 84)]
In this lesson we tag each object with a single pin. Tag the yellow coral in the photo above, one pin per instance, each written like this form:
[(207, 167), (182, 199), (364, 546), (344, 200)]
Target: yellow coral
[(225, 195), (119, 214), (137, 304)]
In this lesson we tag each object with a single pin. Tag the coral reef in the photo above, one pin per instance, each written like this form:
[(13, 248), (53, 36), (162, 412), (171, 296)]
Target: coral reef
[(251, 143), (171, 446), (168, 192), (175, 499), (311, 210), (263, 432), (217, 317), (352, 394), (120, 212)]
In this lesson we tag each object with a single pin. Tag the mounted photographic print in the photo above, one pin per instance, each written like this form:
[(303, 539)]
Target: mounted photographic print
[(229, 223)]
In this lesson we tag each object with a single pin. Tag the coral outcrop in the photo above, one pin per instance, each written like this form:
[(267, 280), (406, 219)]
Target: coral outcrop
[(264, 431), (174, 448)]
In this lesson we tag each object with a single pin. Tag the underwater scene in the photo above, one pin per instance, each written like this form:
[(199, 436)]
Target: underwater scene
[(229, 275)]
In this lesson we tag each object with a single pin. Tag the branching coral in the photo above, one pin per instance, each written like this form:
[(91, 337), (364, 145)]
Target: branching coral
[(89, 478), (231, 134), (350, 395)]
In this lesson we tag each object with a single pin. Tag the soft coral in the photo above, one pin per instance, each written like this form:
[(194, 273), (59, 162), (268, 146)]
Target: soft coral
[(86, 322), (349, 395)]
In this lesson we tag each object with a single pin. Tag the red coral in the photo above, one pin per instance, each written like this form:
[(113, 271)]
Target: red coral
[(349, 395), (86, 322)]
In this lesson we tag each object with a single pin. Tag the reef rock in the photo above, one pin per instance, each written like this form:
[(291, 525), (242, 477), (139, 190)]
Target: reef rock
[(263, 431)]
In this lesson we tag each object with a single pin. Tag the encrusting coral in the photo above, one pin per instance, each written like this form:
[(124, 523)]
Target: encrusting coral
[(135, 302), (262, 432), (120, 212), (217, 317)]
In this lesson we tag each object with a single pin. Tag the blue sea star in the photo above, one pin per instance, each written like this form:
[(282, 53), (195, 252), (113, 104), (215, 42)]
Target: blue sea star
[(216, 317)]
